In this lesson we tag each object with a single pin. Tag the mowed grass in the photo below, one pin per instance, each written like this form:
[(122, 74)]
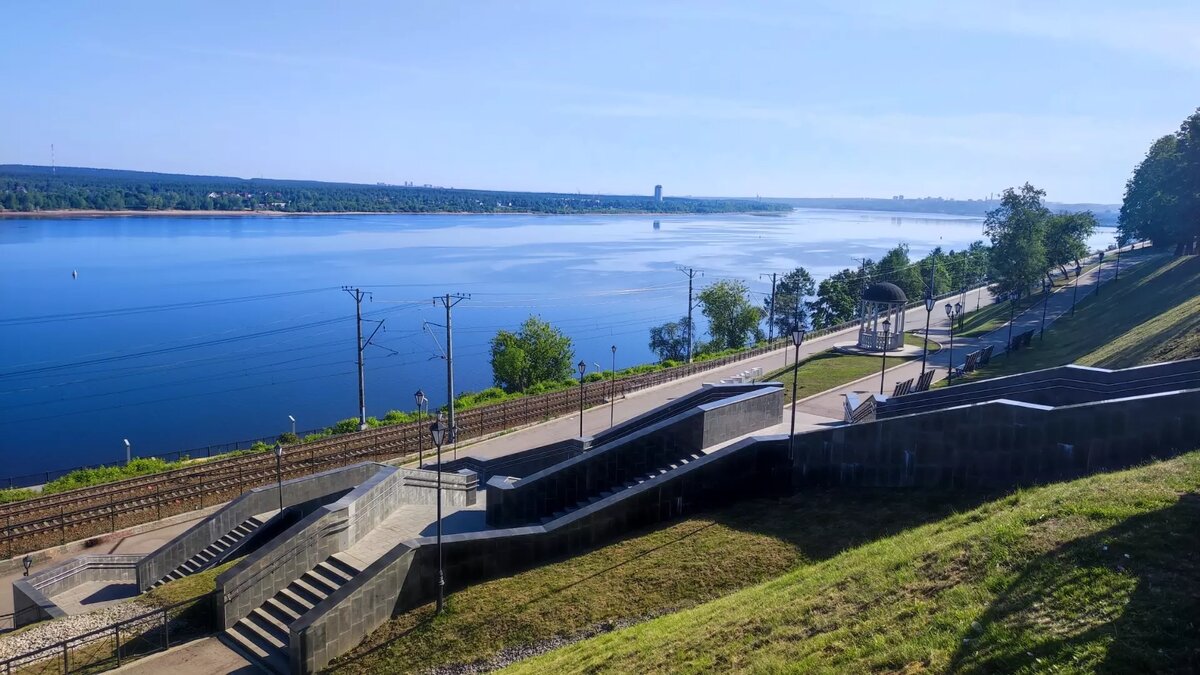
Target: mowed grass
[(1151, 314), (648, 574), (192, 586), (1096, 575), (828, 369)]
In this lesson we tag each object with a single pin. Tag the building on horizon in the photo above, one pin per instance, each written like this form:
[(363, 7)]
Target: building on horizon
[(658, 193)]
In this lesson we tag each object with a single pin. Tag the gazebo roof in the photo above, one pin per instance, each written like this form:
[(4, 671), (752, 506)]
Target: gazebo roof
[(885, 292)]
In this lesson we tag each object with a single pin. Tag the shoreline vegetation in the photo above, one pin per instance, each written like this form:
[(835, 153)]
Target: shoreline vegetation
[(217, 213)]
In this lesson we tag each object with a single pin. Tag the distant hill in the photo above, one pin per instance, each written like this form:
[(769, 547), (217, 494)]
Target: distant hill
[(1105, 213), (25, 188)]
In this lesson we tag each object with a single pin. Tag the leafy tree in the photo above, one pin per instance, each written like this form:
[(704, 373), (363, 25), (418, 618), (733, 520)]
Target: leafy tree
[(791, 308), (1151, 208), (732, 319), (837, 298), (537, 352), (1066, 238), (895, 267), (1017, 229), (669, 341)]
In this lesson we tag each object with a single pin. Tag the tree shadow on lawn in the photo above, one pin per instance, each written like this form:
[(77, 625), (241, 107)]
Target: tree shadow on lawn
[(823, 522), (1123, 600)]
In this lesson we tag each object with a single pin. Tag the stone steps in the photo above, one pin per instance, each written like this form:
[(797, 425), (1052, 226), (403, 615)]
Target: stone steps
[(213, 552), (264, 633)]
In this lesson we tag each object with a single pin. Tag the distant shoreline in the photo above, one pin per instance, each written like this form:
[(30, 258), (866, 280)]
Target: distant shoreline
[(93, 213)]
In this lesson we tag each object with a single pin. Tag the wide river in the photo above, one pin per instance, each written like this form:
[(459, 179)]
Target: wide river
[(184, 332)]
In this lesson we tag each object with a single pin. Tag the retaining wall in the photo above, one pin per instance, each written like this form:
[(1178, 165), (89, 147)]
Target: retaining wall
[(560, 486), (32, 595), (327, 485), (1063, 385), (406, 576)]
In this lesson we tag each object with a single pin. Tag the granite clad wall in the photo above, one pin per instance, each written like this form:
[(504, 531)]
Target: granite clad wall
[(308, 490), (1064, 385)]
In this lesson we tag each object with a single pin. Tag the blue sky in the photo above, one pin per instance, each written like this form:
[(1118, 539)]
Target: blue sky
[(956, 99)]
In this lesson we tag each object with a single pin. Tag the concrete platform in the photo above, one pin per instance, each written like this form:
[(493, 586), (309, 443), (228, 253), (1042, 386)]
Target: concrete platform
[(853, 348), (94, 595)]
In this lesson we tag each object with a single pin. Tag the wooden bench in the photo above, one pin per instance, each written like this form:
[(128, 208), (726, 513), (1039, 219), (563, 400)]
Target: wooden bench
[(903, 388), (924, 381), (985, 356), (971, 362)]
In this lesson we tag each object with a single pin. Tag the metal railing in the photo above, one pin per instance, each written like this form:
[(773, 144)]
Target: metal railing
[(114, 645)]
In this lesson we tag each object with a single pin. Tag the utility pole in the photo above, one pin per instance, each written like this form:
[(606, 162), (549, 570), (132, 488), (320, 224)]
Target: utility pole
[(691, 274), (771, 318), (448, 301), (358, 294)]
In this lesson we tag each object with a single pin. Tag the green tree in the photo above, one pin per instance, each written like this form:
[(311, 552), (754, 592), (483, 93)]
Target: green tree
[(1066, 238), (732, 319), (537, 352), (791, 305), (1017, 229), (896, 267), (1151, 208), (669, 341), (837, 298)]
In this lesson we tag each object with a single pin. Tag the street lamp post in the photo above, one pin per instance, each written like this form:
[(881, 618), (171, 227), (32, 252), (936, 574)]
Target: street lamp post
[(928, 313), (293, 419), (797, 340), (421, 403), (1099, 269), (1012, 314), (1045, 303), (612, 389), (279, 472), (127, 451), (582, 368), (950, 367), (27, 562), (1075, 293), (1118, 274), (438, 430), (887, 326)]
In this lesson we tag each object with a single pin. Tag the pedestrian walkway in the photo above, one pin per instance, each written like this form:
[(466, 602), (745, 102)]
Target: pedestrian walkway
[(1059, 303)]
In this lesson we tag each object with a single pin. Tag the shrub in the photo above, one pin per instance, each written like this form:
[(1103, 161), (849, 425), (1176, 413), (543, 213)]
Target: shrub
[(288, 438), (16, 495)]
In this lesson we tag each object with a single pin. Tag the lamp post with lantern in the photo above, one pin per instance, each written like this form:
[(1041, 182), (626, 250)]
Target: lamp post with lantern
[(438, 431), (422, 403), (952, 311), (887, 327), (928, 314), (797, 340), (582, 369)]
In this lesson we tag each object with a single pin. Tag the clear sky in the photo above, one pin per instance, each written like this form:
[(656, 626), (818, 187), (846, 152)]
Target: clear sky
[(956, 99)]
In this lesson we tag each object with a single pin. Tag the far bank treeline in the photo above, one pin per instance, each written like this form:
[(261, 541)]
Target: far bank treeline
[(38, 188)]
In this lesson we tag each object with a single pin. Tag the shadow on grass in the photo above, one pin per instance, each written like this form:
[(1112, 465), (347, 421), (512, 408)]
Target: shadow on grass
[(1124, 600), (823, 522)]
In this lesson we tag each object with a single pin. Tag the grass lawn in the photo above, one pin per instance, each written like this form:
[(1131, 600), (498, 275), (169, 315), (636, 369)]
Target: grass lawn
[(192, 586), (1151, 314), (1096, 575), (649, 574), (828, 369)]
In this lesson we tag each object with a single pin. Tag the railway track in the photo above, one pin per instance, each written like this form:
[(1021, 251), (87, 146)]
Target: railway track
[(94, 511)]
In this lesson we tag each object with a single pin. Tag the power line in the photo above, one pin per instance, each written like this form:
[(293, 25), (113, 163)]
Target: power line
[(126, 311)]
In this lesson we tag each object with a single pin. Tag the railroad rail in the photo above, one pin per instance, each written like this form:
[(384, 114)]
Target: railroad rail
[(84, 513)]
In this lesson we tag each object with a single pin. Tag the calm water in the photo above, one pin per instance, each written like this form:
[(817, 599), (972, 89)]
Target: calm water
[(186, 372)]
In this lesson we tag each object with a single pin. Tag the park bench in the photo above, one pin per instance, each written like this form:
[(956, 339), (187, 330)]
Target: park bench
[(903, 388), (971, 362), (924, 381), (985, 356)]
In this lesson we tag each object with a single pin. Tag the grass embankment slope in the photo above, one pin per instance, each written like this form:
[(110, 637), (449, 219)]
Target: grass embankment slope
[(648, 574), (1151, 314), (829, 369), (1099, 574)]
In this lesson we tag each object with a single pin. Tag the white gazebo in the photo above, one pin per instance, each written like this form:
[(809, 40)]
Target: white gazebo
[(882, 302)]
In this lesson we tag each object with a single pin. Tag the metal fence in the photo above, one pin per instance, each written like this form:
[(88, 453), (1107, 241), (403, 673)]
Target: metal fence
[(112, 646)]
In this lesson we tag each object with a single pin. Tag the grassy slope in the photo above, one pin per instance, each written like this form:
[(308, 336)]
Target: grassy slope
[(651, 573), (1151, 314), (189, 587), (1099, 574)]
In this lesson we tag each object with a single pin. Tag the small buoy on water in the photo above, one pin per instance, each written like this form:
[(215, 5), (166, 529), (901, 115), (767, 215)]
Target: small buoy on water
[(74, 274)]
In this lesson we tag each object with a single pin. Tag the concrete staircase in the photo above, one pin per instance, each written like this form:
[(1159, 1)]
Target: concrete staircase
[(214, 552), (621, 485), (263, 634)]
